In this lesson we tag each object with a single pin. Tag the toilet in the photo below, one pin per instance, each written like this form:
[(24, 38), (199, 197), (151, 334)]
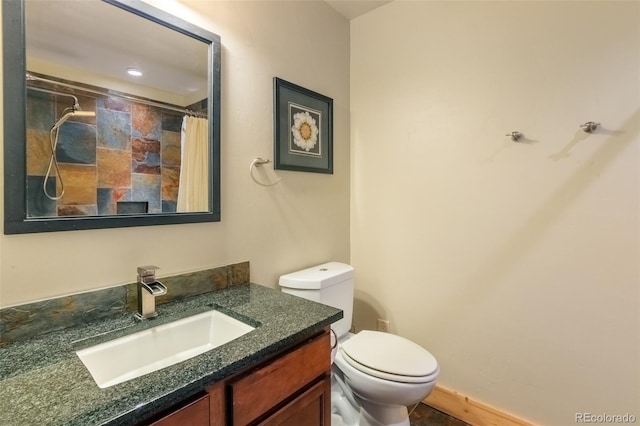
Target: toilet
[(375, 375)]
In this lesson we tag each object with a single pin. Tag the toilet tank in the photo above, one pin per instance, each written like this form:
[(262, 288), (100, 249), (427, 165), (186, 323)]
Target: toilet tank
[(330, 283)]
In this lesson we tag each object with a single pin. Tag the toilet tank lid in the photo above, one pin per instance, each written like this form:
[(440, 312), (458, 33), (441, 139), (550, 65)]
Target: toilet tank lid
[(317, 277)]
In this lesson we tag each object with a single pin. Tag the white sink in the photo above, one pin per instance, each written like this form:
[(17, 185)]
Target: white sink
[(140, 353)]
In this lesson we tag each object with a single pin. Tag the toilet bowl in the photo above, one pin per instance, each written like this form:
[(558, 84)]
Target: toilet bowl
[(375, 375), (385, 373)]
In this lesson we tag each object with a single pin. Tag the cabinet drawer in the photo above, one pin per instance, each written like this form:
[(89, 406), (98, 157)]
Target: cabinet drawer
[(263, 389)]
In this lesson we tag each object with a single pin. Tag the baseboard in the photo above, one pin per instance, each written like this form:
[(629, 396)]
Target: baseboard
[(473, 412)]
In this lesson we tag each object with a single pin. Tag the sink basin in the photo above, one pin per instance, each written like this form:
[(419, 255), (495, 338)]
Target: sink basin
[(140, 353)]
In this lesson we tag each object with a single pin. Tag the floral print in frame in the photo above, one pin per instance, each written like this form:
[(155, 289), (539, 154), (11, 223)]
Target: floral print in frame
[(303, 129)]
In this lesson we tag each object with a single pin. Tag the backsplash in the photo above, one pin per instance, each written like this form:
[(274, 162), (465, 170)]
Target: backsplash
[(38, 318)]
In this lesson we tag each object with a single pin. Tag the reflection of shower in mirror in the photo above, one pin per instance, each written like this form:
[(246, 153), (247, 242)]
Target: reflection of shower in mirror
[(53, 141), (129, 152)]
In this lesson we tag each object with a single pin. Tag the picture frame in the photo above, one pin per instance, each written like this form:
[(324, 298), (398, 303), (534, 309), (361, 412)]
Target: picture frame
[(303, 129)]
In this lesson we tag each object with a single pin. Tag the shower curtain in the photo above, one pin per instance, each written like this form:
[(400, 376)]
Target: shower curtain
[(193, 189)]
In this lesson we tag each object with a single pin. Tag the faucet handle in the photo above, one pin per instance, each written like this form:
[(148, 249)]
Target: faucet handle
[(146, 271)]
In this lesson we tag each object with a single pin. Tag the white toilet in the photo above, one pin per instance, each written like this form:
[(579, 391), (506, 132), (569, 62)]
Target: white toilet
[(375, 375)]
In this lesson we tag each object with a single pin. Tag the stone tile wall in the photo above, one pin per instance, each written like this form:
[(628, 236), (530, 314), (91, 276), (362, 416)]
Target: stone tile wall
[(127, 152)]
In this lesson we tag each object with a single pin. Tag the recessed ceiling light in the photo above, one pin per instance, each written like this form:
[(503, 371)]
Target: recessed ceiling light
[(134, 72)]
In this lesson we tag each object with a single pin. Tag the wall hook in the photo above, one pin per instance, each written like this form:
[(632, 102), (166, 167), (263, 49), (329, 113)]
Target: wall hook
[(515, 135), (589, 126), (259, 162)]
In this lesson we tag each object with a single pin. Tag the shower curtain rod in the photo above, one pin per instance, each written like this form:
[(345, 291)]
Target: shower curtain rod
[(107, 93), (42, 89)]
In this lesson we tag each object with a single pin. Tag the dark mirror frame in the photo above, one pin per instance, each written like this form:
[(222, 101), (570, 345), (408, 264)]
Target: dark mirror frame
[(14, 103)]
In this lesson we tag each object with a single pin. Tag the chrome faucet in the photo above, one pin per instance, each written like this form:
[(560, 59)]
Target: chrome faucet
[(148, 289)]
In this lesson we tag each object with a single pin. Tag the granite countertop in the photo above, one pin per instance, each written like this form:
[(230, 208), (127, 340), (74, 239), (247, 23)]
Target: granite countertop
[(43, 382)]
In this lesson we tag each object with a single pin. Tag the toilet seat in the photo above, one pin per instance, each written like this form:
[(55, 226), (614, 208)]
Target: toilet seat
[(389, 357)]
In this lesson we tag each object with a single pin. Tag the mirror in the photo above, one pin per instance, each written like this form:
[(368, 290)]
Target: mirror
[(87, 145)]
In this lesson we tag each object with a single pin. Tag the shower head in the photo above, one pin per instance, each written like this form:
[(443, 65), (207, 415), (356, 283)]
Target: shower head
[(74, 113), (83, 114)]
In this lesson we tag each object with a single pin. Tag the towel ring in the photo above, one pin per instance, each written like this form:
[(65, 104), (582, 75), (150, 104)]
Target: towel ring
[(259, 162)]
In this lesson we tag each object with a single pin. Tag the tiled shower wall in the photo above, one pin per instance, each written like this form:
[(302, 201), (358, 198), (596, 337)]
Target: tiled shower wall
[(128, 152)]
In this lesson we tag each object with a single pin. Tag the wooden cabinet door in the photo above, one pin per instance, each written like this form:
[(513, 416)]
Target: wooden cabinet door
[(311, 408), (258, 392), (195, 413)]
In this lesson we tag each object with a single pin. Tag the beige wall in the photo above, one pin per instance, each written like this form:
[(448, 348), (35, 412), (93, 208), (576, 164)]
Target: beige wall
[(301, 221), (515, 264)]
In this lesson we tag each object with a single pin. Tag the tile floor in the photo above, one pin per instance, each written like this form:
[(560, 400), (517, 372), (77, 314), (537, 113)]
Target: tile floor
[(424, 415)]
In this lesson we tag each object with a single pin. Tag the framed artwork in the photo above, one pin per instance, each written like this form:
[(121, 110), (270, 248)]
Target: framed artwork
[(303, 129)]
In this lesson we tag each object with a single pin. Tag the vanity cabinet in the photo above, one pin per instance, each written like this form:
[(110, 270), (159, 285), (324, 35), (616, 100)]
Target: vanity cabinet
[(296, 377), (293, 388)]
